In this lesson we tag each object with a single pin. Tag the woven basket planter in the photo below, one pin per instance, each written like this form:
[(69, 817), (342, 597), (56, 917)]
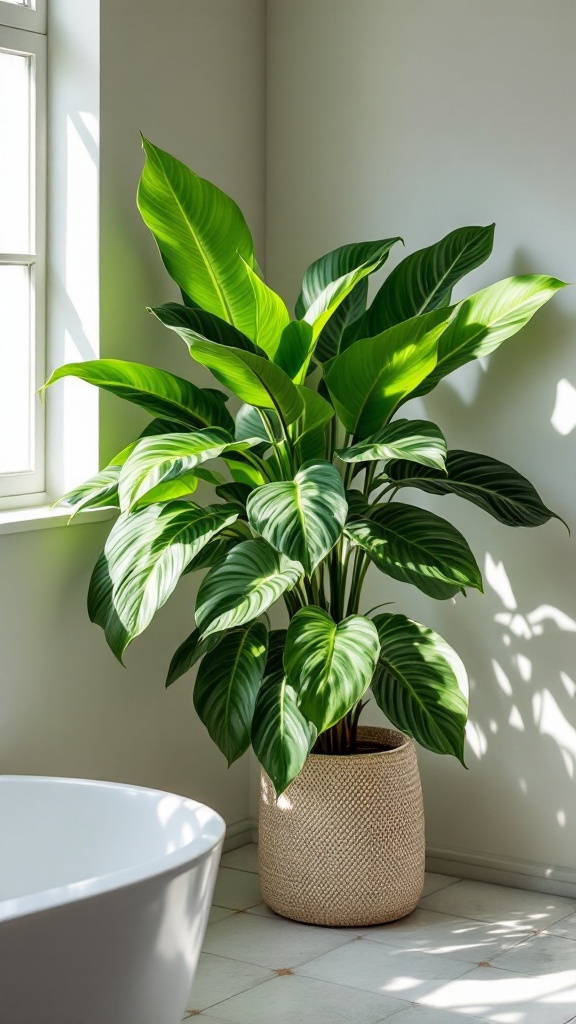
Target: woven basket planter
[(344, 845)]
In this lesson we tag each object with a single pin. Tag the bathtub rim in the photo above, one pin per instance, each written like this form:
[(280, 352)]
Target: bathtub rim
[(209, 839)]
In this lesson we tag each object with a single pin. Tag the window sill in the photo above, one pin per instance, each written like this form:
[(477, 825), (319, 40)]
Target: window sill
[(43, 517)]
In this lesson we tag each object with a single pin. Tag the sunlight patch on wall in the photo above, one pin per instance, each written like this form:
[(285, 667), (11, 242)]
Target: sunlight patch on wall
[(497, 578), (563, 418)]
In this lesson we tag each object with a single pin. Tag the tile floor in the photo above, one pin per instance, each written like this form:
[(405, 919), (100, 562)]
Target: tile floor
[(470, 952)]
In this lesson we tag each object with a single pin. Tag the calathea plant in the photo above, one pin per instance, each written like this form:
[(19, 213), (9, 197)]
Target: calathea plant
[(307, 475)]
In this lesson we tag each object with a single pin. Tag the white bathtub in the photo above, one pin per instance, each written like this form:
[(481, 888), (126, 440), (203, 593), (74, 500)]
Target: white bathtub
[(104, 894)]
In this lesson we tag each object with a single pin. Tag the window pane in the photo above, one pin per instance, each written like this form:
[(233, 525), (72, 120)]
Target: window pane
[(15, 370), (15, 84)]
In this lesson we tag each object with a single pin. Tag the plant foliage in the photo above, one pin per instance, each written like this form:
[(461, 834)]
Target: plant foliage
[(306, 476)]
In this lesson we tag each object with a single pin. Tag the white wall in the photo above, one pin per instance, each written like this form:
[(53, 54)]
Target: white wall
[(404, 117), (190, 77)]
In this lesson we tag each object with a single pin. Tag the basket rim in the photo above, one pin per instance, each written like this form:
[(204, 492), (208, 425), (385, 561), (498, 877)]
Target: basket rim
[(354, 758)]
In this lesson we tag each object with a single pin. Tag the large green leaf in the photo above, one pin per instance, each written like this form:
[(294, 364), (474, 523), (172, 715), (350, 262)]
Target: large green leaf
[(249, 423), (202, 236), (493, 485), (101, 609), (370, 379), (336, 332), (250, 578), (144, 557), (425, 279), (294, 350), (227, 684), (253, 379), (100, 491), (191, 649), (415, 440), (192, 323), (483, 321), (281, 737), (169, 457), (217, 548), (329, 665), (336, 265), (270, 315), (327, 302), (302, 518), (308, 433), (417, 688), (158, 392), (415, 546)]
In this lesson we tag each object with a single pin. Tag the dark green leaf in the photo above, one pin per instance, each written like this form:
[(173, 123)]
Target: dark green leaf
[(415, 546), (417, 688), (282, 738), (226, 687), (192, 323), (494, 486), (191, 650), (308, 432), (331, 339), (424, 280), (337, 264)]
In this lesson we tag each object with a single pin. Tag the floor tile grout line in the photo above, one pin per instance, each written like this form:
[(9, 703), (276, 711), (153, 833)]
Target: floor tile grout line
[(244, 871), (258, 984)]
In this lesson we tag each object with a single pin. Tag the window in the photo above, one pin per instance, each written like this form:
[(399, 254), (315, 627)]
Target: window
[(22, 247)]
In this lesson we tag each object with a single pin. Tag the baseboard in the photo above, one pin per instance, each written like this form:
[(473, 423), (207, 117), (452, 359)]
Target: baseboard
[(520, 874), (479, 867), (239, 834)]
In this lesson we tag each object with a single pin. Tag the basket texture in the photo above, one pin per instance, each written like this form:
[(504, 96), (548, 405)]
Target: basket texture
[(344, 844)]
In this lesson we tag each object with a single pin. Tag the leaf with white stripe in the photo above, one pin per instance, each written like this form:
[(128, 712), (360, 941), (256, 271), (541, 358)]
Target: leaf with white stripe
[(250, 578), (144, 557), (330, 665), (227, 684), (493, 485), (100, 491), (169, 457), (415, 440), (303, 518), (417, 686), (414, 546)]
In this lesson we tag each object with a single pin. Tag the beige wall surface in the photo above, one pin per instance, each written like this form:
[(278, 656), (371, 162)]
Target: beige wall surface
[(190, 77), (406, 117)]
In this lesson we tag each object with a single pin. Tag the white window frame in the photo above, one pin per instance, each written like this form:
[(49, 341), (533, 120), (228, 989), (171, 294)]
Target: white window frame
[(23, 31)]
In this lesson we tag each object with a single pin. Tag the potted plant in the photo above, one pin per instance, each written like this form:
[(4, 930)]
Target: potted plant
[(306, 479)]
